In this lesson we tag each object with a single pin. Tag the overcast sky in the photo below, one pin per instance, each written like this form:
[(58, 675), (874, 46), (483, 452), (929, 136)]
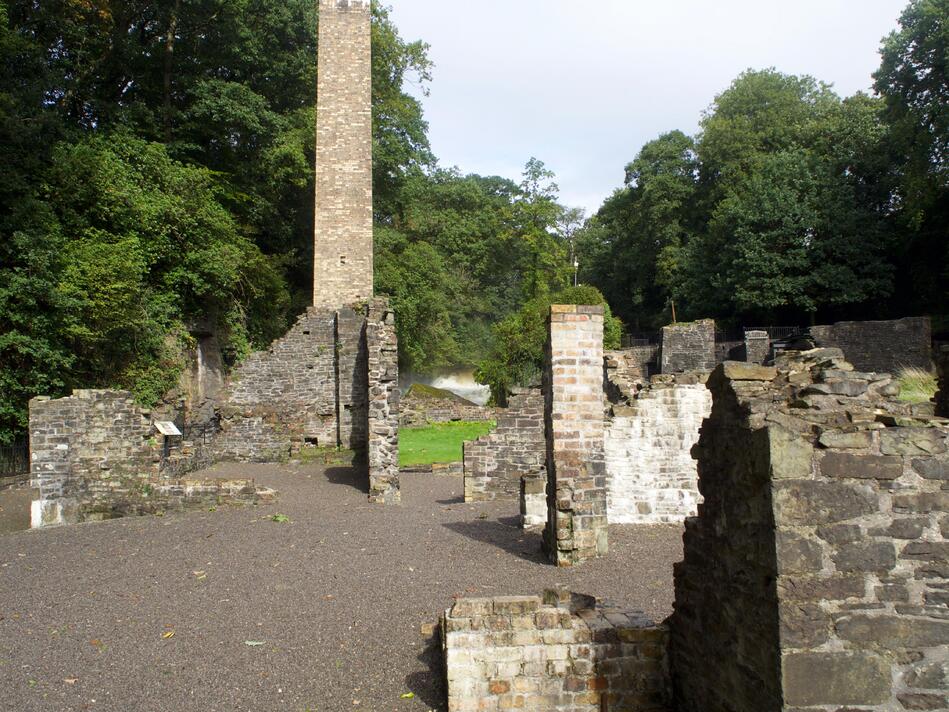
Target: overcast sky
[(583, 84)]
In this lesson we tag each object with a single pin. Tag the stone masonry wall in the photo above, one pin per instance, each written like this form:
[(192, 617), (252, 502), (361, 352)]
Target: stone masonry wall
[(757, 347), (343, 264), (383, 356), (574, 414), (97, 455), (688, 347), (562, 653), (942, 396), (494, 463), (883, 346), (279, 398), (651, 475), (823, 586)]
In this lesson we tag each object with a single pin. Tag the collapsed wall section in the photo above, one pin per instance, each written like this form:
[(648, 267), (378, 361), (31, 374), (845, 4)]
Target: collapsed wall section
[(98, 455), (574, 418), (562, 652), (494, 463), (825, 579), (652, 478)]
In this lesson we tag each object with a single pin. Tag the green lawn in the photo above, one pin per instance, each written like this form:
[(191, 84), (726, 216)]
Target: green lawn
[(441, 442)]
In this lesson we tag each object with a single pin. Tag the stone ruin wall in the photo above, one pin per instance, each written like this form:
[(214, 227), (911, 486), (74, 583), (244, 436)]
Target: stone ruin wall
[(97, 455), (882, 346), (383, 413), (574, 422), (495, 463), (282, 398), (652, 478), (824, 586), (688, 347), (555, 653)]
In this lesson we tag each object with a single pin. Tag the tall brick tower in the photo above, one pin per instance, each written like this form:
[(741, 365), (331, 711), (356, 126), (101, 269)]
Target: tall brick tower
[(342, 263)]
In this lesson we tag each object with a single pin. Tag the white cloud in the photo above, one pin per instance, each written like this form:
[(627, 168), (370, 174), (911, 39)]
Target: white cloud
[(583, 85)]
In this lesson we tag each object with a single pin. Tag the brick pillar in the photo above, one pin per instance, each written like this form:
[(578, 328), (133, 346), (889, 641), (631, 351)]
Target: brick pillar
[(757, 346), (576, 490), (342, 267), (384, 394)]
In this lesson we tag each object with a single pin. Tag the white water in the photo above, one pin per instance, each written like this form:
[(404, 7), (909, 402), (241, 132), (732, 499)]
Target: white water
[(459, 381)]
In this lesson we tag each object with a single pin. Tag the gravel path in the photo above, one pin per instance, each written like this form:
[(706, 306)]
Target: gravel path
[(333, 601)]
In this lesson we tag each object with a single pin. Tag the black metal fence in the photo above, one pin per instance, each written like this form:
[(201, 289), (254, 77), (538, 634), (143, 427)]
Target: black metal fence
[(652, 338), (15, 458)]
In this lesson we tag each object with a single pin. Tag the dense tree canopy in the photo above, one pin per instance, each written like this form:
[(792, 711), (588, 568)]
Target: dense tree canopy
[(791, 204)]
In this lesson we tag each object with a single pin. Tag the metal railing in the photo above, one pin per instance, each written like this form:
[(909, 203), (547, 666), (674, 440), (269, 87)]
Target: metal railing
[(15, 458)]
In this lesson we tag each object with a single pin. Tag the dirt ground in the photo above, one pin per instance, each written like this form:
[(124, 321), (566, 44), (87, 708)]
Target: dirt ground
[(14, 510), (231, 610)]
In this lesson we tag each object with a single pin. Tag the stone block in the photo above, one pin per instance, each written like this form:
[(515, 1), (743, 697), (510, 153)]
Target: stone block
[(798, 502), (812, 679), (873, 467), (873, 556), (892, 632)]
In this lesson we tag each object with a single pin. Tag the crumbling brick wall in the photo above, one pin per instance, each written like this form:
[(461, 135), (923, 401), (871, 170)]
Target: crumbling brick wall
[(815, 575), (562, 652), (757, 347), (882, 346), (495, 462), (97, 455), (688, 347), (574, 422), (651, 476)]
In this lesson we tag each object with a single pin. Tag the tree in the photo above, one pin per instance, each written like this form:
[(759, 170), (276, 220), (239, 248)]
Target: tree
[(913, 79), (517, 355)]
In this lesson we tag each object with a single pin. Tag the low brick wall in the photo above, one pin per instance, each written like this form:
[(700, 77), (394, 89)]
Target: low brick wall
[(883, 346), (495, 462), (815, 576), (688, 347), (562, 652), (651, 475), (97, 455)]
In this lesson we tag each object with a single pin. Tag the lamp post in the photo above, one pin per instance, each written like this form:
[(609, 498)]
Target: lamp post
[(576, 271)]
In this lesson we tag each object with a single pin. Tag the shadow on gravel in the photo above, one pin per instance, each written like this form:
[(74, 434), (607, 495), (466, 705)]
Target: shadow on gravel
[(429, 684), (454, 500), (350, 476), (504, 533)]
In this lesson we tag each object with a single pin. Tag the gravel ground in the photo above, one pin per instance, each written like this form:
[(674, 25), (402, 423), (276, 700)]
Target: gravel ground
[(332, 601)]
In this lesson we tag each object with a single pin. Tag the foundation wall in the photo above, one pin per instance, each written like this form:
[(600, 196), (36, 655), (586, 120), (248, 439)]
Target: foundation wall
[(558, 653), (882, 346)]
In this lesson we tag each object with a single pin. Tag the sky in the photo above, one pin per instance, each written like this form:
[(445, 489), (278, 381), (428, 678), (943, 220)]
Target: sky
[(583, 84)]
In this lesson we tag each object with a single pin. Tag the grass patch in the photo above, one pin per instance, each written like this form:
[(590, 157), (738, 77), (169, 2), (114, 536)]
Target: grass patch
[(438, 442), (917, 385)]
